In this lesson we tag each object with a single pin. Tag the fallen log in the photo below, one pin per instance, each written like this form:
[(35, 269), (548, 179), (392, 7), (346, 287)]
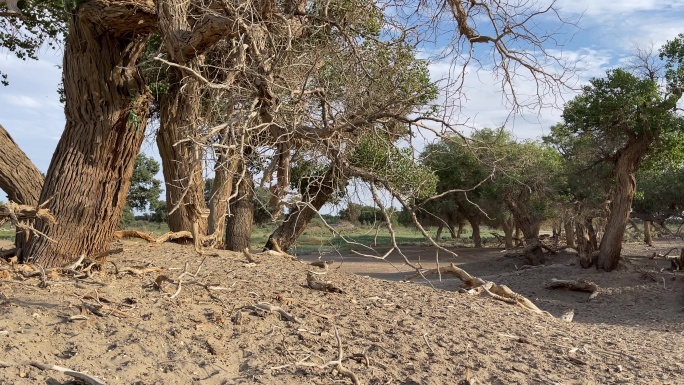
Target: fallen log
[(576, 285)]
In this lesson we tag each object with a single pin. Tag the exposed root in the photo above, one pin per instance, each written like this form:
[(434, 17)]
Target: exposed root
[(249, 256), (272, 308), (134, 234)]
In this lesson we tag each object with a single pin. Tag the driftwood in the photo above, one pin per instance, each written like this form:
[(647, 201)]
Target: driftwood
[(170, 236), (677, 261), (326, 286), (475, 285), (578, 285)]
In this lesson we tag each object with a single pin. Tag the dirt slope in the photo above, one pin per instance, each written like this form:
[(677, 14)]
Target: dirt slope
[(633, 333)]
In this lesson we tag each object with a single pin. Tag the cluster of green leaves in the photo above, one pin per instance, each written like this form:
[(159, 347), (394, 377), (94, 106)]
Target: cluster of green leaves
[(43, 22), (491, 166), (145, 187), (396, 166)]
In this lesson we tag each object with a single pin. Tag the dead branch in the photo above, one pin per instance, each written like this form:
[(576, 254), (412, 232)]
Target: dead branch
[(272, 308), (134, 234), (92, 380), (336, 363), (576, 285), (326, 286), (249, 256), (17, 213), (170, 236), (477, 285)]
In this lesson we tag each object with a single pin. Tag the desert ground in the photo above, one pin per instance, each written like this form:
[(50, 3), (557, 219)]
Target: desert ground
[(132, 323)]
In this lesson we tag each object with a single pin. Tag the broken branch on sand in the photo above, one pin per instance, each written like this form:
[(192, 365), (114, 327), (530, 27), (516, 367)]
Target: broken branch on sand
[(326, 286), (576, 285), (92, 380), (476, 285), (336, 363)]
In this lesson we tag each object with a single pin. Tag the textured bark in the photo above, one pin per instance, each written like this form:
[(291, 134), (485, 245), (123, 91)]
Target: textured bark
[(585, 245), (239, 223), (107, 105), (297, 220), (626, 167), (20, 179), (221, 190), (186, 39), (179, 113)]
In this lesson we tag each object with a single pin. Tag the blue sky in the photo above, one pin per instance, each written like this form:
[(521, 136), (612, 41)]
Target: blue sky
[(607, 33)]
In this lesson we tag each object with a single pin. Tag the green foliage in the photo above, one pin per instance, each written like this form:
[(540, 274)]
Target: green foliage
[(160, 213), (145, 188), (364, 215), (381, 158), (127, 218), (43, 22)]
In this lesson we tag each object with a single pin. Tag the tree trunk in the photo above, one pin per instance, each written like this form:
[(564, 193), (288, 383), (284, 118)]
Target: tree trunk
[(439, 232), (20, 179), (179, 112), (239, 223), (508, 226), (297, 220), (529, 225), (648, 237), (225, 177), (585, 246), (569, 232), (452, 231), (474, 221), (107, 105), (459, 232), (625, 184)]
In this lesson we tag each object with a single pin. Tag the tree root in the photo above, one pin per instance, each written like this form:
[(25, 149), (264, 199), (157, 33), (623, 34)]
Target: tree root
[(478, 285), (272, 308), (578, 285)]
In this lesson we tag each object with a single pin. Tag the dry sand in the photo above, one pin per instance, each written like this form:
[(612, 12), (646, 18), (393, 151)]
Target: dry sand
[(409, 333)]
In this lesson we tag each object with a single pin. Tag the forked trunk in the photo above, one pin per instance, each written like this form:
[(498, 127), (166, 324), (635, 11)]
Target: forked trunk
[(239, 223), (179, 112), (19, 178), (107, 105), (299, 218), (529, 224), (625, 184)]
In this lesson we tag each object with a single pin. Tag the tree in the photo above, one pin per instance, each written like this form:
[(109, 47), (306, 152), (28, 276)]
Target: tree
[(145, 189), (108, 101), (622, 115), (33, 24)]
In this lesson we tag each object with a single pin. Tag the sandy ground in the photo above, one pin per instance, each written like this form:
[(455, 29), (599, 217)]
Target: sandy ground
[(121, 327)]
